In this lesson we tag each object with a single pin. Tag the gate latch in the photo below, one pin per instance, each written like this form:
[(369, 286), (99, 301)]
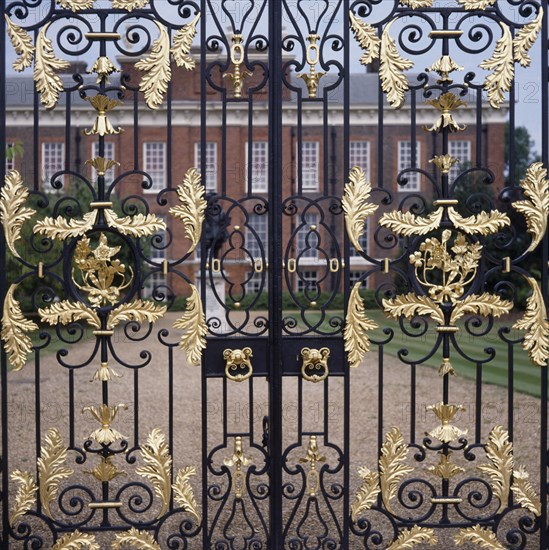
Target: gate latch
[(315, 364), (238, 366)]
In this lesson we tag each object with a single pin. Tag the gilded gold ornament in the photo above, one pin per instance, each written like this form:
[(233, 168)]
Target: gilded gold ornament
[(102, 165), (102, 125), (15, 329), (134, 539), (238, 461), (446, 104), (356, 205), (444, 162), (480, 536), (392, 467), (535, 207), (444, 66), (314, 367), (445, 469), (476, 4), (105, 470), (103, 68), (410, 305), (391, 69), (22, 44), (238, 364), (183, 493), (367, 38), (535, 323), (408, 538), (357, 325), (407, 224), (66, 312), (136, 310), (158, 467), (76, 541), (366, 495), (105, 415), (46, 67), (182, 44), (193, 205), (76, 5), (238, 76), (193, 324), (312, 457), (25, 497), (446, 432), (483, 223), (60, 228), (138, 225), (51, 469), (104, 373), (526, 38), (313, 77), (482, 304), (524, 492)]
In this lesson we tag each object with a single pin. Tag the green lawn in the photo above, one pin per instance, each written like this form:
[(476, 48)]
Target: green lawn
[(527, 375)]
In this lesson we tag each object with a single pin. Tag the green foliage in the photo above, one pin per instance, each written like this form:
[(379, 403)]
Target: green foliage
[(14, 150)]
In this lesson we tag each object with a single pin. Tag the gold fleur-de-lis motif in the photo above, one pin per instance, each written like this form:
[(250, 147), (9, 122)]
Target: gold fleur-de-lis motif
[(105, 415), (313, 457), (446, 432), (238, 461), (238, 76), (102, 126), (313, 77)]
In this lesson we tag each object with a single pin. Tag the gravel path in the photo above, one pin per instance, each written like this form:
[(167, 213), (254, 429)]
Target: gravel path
[(153, 412)]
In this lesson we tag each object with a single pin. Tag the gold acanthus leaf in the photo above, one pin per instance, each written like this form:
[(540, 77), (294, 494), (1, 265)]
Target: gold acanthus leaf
[(411, 305), (499, 451), (129, 5), (182, 43), (502, 65), (366, 496), (408, 538), (391, 466), (76, 5), (62, 229), (137, 310), (25, 497), (46, 65), (415, 4), (357, 324), (51, 468), (105, 470), (183, 492), (66, 312), (367, 38), (534, 322), (158, 467), (525, 39), (193, 323), (391, 69), (139, 225), (76, 541), (356, 206), (524, 492), (535, 187), (445, 469), (134, 540), (476, 4), (193, 205), (482, 223), (407, 224), (15, 327), (13, 212), (482, 304), (105, 415), (22, 43), (480, 536), (157, 69)]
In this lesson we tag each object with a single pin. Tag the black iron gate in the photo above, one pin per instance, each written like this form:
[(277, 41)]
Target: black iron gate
[(237, 238)]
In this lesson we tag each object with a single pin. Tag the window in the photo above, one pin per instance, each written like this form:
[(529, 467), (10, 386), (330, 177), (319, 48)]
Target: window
[(310, 164), (254, 283), (259, 162), (10, 162), (307, 280), (157, 255), (259, 224), (53, 158), (359, 155), (210, 177), (460, 149), (363, 242), (307, 238), (354, 277), (154, 154), (405, 161), (109, 154)]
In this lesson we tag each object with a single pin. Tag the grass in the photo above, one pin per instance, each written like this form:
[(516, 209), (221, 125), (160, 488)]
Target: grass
[(527, 377)]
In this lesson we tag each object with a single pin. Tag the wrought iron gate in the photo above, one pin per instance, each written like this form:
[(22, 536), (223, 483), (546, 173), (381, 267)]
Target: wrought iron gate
[(236, 237)]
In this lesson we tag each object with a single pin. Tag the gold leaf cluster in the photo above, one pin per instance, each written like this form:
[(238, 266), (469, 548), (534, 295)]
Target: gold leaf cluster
[(66, 312), (25, 497), (445, 469), (182, 44), (410, 305), (22, 43), (129, 5), (60, 228), (76, 541), (134, 539), (446, 432), (105, 415), (524, 492), (408, 538), (407, 224), (76, 5), (367, 38), (476, 4), (183, 492), (366, 495), (480, 536), (195, 329), (193, 205), (105, 470)]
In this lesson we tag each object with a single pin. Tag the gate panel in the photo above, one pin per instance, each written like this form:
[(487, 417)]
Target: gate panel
[(237, 235)]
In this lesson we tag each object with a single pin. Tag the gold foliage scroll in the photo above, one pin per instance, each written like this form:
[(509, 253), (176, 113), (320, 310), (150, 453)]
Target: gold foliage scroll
[(76, 541), (25, 497), (183, 492), (408, 538), (480, 536), (76, 5), (366, 495), (367, 38), (134, 539), (22, 43)]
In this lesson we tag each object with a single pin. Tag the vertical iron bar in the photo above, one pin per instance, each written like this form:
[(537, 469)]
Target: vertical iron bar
[(275, 280)]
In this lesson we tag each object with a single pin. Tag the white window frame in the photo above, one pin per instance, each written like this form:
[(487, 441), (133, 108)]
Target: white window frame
[(359, 155), (354, 276), (260, 223), (308, 276), (158, 175), (260, 174), (404, 163), (454, 147), (310, 169), (110, 174), (46, 172), (157, 256), (209, 179)]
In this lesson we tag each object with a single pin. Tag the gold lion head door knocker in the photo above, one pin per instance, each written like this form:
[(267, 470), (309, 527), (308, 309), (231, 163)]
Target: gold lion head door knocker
[(238, 366), (315, 364)]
